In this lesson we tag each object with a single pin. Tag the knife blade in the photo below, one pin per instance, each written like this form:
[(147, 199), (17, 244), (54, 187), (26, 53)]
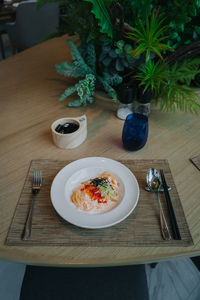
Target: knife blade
[(175, 229)]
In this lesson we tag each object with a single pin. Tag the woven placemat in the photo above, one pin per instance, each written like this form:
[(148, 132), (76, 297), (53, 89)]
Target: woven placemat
[(141, 228), (196, 161)]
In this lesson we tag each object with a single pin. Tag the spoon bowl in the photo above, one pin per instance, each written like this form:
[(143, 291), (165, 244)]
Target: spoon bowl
[(153, 179), (161, 189)]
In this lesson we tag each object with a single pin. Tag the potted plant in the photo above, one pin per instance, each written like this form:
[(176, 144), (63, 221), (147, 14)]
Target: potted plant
[(158, 78), (123, 41), (149, 46)]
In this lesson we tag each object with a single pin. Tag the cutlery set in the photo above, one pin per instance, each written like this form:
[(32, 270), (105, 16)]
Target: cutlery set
[(156, 183)]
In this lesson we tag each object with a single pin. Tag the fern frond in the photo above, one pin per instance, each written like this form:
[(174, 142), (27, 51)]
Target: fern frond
[(69, 70), (107, 87), (68, 92), (75, 103), (85, 90), (192, 63), (111, 92), (78, 59), (186, 71), (86, 67), (112, 80), (91, 57), (182, 98)]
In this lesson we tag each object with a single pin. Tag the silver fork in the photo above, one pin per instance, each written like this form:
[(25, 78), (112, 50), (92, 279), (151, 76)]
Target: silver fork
[(37, 183)]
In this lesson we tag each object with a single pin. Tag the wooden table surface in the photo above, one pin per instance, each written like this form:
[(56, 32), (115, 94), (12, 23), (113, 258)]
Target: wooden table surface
[(29, 92)]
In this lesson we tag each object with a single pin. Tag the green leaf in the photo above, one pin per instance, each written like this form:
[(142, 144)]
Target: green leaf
[(128, 48), (118, 65), (67, 93), (112, 79), (75, 103), (112, 54), (101, 13), (70, 70), (91, 57), (174, 35), (118, 51), (120, 44), (129, 57), (182, 27), (78, 59)]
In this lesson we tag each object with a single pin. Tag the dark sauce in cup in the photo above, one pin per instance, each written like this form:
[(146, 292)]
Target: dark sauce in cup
[(67, 127)]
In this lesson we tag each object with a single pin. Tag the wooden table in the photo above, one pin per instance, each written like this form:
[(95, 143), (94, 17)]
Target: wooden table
[(29, 92)]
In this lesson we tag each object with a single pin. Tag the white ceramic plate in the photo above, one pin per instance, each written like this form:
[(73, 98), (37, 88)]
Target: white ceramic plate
[(84, 169)]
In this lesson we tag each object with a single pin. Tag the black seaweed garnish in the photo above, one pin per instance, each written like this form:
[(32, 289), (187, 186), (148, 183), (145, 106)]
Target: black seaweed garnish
[(99, 181)]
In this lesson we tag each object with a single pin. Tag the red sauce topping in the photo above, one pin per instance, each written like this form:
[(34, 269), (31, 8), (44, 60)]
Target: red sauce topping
[(94, 193)]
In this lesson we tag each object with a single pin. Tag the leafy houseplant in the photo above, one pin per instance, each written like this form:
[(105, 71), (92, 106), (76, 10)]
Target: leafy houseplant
[(152, 75), (168, 83), (181, 16), (149, 38), (174, 89), (85, 67), (127, 39), (116, 58)]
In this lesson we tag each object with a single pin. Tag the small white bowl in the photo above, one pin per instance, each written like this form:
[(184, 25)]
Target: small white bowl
[(70, 140)]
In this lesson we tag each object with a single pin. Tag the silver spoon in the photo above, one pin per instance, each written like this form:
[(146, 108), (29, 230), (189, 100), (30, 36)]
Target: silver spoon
[(153, 182), (161, 189)]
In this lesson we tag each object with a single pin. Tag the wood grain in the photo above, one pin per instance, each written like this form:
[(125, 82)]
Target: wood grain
[(141, 228)]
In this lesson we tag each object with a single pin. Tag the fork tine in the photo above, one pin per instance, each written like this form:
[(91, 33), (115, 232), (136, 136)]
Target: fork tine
[(34, 178), (37, 178), (40, 178)]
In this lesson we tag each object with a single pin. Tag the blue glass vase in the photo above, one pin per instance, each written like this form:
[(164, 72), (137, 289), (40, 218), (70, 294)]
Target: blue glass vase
[(135, 131)]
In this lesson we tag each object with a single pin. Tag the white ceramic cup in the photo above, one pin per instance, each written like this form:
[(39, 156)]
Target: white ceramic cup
[(70, 140)]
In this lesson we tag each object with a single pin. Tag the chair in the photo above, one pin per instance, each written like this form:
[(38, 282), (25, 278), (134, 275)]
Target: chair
[(32, 25), (85, 283)]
